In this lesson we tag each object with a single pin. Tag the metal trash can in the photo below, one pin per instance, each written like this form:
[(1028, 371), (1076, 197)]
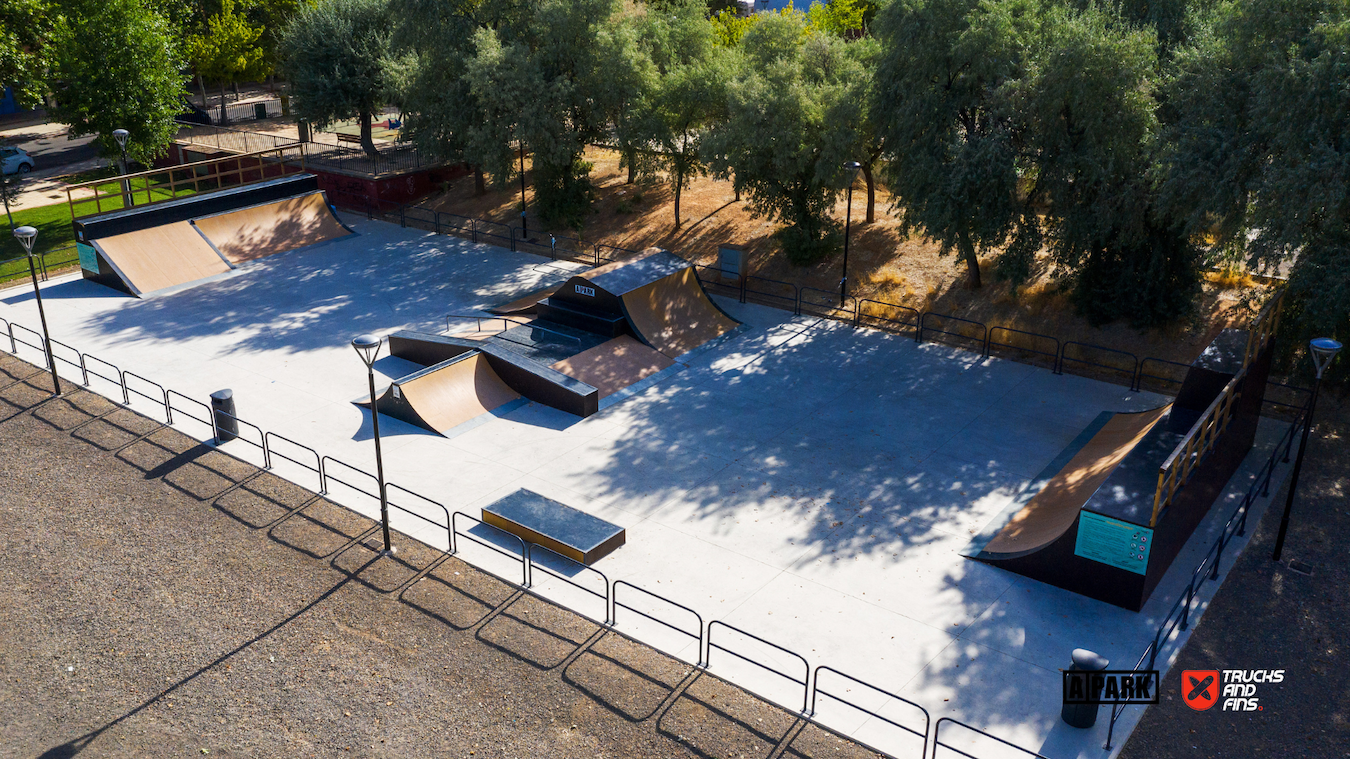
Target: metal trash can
[(1083, 715), (224, 416)]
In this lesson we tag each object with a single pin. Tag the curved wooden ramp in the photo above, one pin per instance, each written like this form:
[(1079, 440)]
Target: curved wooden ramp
[(160, 257), (1051, 513), (674, 315), (248, 234), (446, 395)]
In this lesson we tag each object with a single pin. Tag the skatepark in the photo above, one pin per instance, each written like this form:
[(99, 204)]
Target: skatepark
[(813, 484)]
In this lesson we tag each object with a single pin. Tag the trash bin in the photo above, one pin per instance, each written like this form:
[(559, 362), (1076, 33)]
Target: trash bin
[(1083, 715), (223, 413)]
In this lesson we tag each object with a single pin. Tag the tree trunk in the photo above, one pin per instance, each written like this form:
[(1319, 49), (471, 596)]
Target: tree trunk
[(367, 142), (236, 91), (223, 118), (201, 86), (479, 184), (871, 193), (632, 166), (679, 183), (972, 261)]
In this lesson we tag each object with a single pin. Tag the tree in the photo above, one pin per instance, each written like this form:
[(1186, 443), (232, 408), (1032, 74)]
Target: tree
[(1258, 116), (1090, 105), (544, 80), (945, 99), (227, 50), (688, 90), (116, 65), (337, 57), (778, 140), (25, 32)]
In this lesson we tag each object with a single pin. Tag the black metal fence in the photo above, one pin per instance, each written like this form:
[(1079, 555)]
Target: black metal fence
[(392, 158), (225, 139)]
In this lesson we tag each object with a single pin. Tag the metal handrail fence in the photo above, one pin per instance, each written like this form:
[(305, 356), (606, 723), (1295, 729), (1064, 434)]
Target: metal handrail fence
[(888, 323), (813, 301), (817, 691), (991, 343), (982, 340), (1133, 371), (937, 740), (1178, 618), (530, 548), (805, 680), (225, 139), (616, 604)]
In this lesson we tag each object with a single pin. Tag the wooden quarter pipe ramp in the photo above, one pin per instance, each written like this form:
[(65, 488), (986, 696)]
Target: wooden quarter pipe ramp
[(160, 257)]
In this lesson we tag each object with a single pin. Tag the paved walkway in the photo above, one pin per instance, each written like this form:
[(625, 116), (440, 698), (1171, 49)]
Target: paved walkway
[(806, 482)]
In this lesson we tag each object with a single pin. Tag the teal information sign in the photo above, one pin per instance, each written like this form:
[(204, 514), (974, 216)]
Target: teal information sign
[(88, 257), (1113, 542)]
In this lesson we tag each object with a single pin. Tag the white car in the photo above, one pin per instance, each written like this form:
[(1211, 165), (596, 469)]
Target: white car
[(15, 160)]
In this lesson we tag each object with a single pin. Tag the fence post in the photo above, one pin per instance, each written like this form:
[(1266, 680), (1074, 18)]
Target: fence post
[(1059, 360), (402, 216), (436, 216)]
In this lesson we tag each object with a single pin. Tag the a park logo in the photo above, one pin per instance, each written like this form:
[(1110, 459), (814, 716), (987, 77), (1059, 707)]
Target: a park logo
[(1200, 688), (1111, 686)]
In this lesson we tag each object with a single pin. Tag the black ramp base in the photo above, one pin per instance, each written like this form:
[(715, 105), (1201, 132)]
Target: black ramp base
[(560, 528), (193, 206)]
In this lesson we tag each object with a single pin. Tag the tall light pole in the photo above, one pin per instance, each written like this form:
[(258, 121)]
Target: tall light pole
[(368, 347), (26, 237), (524, 223), (4, 193), (852, 168), (1323, 350), (122, 135)]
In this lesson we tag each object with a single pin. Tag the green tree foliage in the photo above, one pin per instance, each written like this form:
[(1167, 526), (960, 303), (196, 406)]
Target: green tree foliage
[(25, 34), (337, 57), (227, 50), (1089, 103), (729, 27), (1259, 115), (544, 79), (779, 139), (840, 17), (946, 97), (688, 90), (116, 65)]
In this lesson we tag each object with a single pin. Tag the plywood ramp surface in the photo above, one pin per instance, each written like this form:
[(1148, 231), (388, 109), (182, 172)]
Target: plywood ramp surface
[(1052, 511), (674, 315), (270, 228), (450, 396), (614, 365), (159, 257), (524, 304)]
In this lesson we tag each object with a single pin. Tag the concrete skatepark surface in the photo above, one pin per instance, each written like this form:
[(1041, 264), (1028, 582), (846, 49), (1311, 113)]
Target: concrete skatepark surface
[(804, 481)]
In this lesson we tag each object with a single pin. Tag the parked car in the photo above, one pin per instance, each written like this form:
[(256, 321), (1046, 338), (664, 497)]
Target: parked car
[(15, 160), (193, 114)]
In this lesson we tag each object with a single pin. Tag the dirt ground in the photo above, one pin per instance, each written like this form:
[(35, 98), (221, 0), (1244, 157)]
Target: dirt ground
[(159, 598), (884, 264), (1292, 615)]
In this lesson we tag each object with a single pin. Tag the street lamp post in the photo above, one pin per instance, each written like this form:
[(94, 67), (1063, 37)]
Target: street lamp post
[(26, 237), (852, 168), (368, 347), (122, 135), (1323, 350), (4, 192), (524, 223)]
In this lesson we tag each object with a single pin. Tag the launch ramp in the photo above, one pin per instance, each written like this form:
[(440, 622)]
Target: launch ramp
[(157, 258)]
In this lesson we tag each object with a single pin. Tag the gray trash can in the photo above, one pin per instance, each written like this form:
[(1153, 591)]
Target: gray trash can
[(1083, 715), (223, 413)]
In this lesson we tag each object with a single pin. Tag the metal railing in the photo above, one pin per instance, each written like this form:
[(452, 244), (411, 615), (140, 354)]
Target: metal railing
[(226, 139), (1178, 618)]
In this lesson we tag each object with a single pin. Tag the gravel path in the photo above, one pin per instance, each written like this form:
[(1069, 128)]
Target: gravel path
[(1269, 616), (159, 598)]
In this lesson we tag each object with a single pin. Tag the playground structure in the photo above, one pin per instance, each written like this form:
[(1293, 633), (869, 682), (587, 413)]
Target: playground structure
[(1109, 515), (177, 239)]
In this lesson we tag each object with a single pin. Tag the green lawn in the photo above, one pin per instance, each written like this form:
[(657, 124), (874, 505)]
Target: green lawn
[(55, 231)]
